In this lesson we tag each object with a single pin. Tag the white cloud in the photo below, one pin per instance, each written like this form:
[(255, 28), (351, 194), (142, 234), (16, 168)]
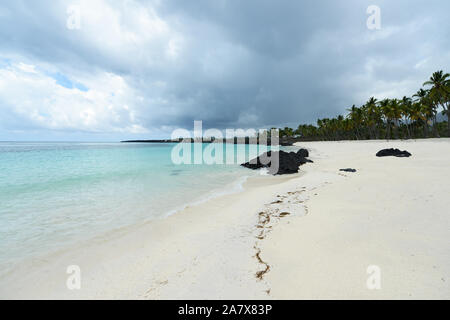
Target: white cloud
[(36, 98), (131, 34), (28, 68)]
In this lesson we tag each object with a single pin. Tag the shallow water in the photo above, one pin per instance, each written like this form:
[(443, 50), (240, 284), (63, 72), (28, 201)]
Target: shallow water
[(55, 194)]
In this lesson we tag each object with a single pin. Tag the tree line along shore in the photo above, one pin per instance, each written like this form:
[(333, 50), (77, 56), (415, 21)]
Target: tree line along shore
[(405, 118)]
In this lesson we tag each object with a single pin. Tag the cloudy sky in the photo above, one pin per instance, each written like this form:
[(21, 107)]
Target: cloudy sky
[(139, 69)]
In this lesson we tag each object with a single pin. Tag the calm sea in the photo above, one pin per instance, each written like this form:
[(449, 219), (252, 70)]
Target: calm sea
[(55, 194)]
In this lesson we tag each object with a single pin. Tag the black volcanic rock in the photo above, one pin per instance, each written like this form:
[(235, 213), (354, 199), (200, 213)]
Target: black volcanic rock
[(303, 153), (278, 162), (393, 152), (348, 170), (301, 159)]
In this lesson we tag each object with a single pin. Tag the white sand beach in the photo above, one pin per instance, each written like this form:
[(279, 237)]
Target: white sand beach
[(306, 236)]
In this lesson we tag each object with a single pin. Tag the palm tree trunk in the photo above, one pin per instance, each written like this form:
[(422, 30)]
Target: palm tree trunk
[(435, 129), (396, 128), (388, 132), (407, 130), (374, 130), (448, 122)]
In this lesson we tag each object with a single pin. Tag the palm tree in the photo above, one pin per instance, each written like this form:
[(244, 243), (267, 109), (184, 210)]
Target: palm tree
[(440, 93), (396, 114), (322, 125), (446, 106), (416, 114), (347, 126), (355, 115), (372, 111), (426, 106), (286, 132), (386, 111), (339, 126), (406, 105)]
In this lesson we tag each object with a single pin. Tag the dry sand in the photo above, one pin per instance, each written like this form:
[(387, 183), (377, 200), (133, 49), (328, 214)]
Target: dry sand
[(393, 213), (310, 235)]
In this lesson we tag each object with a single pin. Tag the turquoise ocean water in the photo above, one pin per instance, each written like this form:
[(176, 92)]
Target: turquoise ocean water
[(55, 194)]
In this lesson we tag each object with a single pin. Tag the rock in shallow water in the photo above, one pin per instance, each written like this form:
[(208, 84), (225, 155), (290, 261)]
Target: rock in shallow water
[(278, 162), (393, 152)]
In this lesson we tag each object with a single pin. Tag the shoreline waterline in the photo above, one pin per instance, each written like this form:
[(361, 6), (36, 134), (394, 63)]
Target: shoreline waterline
[(55, 195), (110, 246), (236, 186)]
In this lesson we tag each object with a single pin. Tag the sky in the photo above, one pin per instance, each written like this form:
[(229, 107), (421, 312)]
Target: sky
[(97, 70)]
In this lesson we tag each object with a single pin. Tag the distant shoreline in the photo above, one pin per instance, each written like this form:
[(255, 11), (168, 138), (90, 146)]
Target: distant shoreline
[(247, 140)]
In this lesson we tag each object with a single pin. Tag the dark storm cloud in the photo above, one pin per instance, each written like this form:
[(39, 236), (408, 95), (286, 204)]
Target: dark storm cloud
[(239, 63)]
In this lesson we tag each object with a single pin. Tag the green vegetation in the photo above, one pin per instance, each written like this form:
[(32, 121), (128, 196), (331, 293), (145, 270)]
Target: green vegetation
[(405, 118)]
